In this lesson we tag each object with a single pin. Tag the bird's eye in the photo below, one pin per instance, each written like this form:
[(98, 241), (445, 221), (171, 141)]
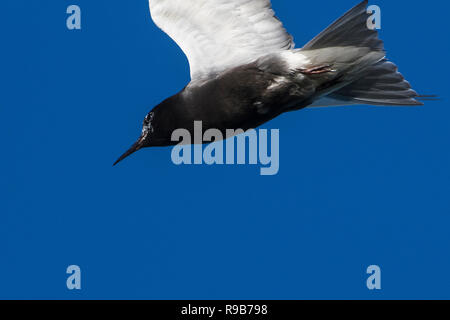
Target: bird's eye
[(148, 122), (149, 117)]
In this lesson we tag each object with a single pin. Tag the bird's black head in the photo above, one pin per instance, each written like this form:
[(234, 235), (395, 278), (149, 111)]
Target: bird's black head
[(157, 128)]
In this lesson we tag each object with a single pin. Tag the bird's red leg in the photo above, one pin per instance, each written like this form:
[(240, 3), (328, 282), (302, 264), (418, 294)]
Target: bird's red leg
[(317, 70)]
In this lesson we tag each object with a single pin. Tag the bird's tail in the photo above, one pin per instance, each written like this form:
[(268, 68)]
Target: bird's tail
[(356, 55)]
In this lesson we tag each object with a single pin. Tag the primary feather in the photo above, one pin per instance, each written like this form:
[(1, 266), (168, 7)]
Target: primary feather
[(217, 35)]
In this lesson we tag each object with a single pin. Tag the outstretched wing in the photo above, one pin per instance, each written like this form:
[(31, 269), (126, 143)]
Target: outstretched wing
[(219, 34)]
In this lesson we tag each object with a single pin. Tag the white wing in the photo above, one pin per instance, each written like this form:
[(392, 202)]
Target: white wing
[(219, 34)]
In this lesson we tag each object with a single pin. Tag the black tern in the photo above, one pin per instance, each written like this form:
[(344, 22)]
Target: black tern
[(246, 71)]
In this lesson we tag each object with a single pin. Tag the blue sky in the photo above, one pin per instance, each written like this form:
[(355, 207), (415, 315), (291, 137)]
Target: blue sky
[(357, 185)]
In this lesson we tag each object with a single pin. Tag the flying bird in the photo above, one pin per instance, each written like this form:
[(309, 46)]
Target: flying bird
[(246, 71)]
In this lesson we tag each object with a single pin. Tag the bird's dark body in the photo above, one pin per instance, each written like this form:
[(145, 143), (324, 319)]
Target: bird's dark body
[(243, 98)]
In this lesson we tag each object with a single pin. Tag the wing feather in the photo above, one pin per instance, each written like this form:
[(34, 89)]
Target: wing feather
[(219, 34)]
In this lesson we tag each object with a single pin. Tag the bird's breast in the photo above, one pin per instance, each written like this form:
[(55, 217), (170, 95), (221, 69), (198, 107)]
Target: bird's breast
[(243, 98)]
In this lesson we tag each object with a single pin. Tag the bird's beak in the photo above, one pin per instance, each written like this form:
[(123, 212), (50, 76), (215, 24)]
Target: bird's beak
[(135, 147)]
